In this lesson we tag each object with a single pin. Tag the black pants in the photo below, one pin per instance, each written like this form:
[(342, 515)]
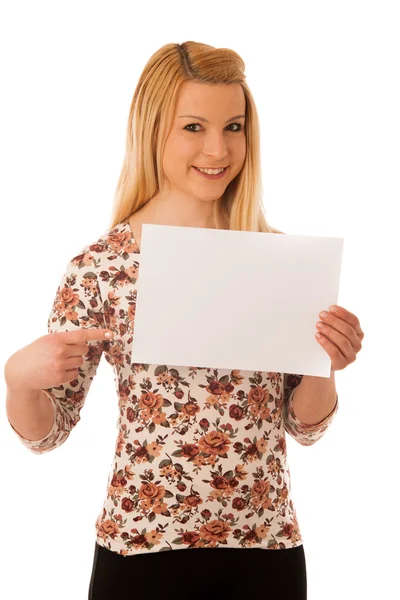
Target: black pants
[(200, 573)]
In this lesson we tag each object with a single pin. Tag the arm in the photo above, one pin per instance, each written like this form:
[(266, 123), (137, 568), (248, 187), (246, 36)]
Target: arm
[(28, 411), (310, 404), (315, 398), (77, 304)]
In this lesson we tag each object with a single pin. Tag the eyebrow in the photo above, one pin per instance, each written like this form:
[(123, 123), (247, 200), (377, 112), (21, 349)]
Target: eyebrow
[(206, 121)]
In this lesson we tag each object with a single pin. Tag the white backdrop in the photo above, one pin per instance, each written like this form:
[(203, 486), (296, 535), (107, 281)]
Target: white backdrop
[(325, 77)]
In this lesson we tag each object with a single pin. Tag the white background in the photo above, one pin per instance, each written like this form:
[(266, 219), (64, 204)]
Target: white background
[(325, 77)]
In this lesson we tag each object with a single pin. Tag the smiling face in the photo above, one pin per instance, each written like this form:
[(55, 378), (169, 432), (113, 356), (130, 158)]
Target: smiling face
[(216, 140)]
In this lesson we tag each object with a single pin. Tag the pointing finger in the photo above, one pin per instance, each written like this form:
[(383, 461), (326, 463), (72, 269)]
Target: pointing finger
[(86, 334)]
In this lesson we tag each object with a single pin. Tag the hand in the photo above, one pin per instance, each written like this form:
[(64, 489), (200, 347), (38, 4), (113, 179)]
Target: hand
[(341, 337), (52, 359)]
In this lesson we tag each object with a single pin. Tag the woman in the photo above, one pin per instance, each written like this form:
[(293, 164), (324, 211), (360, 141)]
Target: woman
[(200, 461)]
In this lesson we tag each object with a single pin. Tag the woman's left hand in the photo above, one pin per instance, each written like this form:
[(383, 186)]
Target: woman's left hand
[(341, 337)]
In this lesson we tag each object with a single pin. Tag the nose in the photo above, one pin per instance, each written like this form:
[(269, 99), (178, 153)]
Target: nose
[(215, 146)]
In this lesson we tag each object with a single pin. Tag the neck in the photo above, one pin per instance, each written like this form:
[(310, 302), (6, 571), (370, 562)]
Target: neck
[(180, 212)]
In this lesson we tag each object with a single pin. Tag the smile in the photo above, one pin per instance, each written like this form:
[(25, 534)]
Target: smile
[(210, 176)]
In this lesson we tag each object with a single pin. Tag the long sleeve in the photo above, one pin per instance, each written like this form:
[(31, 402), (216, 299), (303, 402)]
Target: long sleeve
[(303, 433), (77, 304)]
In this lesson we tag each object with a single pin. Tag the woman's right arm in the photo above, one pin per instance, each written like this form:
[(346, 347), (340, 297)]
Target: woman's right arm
[(29, 412), (48, 380)]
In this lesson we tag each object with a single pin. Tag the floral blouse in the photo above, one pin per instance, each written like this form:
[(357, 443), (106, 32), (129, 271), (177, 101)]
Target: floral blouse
[(200, 454)]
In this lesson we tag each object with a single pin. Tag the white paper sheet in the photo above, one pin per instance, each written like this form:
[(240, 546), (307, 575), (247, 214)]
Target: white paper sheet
[(234, 299)]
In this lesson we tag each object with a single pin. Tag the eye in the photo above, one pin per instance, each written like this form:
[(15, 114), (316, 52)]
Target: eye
[(239, 125)]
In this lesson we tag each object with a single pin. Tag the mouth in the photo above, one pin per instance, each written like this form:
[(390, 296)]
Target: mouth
[(207, 176)]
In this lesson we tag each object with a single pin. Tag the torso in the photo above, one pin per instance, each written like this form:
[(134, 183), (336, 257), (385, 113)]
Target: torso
[(200, 456)]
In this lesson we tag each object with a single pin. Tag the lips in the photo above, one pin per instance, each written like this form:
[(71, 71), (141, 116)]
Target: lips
[(212, 168)]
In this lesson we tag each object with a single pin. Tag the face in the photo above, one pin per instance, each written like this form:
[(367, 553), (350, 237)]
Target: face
[(216, 140)]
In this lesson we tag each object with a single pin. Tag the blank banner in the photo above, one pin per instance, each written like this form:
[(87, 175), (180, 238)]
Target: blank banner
[(234, 299)]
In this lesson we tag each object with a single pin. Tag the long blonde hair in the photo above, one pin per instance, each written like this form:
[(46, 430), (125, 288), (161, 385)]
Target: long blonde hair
[(151, 113)]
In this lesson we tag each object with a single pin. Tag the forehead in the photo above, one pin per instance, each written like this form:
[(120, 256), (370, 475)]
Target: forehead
[(204, 98)]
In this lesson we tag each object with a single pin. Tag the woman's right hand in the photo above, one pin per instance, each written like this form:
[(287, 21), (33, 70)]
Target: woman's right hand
[(52, 359)]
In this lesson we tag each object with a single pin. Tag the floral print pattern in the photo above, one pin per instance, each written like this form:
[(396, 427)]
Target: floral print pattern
[(200, 455)]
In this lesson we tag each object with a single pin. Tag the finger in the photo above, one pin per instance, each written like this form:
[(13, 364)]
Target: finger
[(80, 349), (333, 351), (348, 317), (342, 327), (85, 334), (337, 343), (73, 362)]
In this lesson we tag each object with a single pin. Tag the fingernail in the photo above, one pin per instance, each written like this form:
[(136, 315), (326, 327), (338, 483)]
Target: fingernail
[(109, 334)]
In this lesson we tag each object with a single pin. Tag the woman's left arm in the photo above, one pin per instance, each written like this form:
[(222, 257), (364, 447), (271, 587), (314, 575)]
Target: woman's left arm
[(314, 398), (340, 335)]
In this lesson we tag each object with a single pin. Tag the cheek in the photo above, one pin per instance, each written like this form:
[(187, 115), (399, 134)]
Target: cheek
[(181, 145), (180, 156), (242, 148), (241, 155)]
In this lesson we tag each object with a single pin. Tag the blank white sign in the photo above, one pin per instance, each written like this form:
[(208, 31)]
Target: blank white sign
[(234, 299)]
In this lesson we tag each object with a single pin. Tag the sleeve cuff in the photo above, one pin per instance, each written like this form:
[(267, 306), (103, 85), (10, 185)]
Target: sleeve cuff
[(311, 427)]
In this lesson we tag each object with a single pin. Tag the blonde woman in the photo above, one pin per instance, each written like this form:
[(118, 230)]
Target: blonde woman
[(198, 499)]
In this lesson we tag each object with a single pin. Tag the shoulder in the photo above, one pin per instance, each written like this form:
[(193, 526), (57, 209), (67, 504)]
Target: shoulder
[(113, 242)]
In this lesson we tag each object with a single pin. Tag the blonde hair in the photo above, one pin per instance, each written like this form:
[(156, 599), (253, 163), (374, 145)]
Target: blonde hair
[(151, 113)]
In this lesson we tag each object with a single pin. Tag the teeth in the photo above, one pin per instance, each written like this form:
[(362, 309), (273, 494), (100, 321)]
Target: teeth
[(210, 171)]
